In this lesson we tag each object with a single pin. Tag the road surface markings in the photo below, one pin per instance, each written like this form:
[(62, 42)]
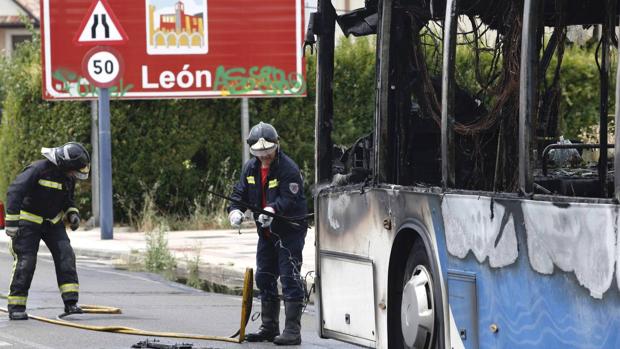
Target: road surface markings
[(24, 342)]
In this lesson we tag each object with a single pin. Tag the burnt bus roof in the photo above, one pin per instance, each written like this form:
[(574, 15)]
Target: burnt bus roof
[(493, 12)]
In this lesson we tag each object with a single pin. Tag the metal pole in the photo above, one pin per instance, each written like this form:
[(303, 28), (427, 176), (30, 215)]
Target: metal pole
[(324, 113), (105, 166), (447, 97), (607, 32), (527, 90), (617, 137), (381, 154), (94, 162), (245, 129)]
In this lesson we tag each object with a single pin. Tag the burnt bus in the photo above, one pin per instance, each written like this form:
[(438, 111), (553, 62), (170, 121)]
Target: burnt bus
[(460, 219)]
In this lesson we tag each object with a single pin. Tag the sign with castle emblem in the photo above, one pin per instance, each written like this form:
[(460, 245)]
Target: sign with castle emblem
[(173, 48), (176, 27)]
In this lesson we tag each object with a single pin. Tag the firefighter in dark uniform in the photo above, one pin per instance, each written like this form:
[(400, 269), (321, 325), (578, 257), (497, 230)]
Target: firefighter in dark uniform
[(37, 201), (272, 181)]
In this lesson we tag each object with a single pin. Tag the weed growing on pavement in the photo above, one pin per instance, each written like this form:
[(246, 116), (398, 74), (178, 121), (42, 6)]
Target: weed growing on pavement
[(193, 270), (158, 257), (148, 219)]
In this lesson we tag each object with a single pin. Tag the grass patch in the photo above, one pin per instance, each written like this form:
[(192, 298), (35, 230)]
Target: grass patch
[(193, 270), (158, 257)]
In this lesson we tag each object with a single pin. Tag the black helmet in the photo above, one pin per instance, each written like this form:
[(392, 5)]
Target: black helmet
[(263, 139), (73, 157)]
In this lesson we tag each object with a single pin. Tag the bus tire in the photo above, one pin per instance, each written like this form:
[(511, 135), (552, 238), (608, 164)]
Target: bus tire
[(412, 317)]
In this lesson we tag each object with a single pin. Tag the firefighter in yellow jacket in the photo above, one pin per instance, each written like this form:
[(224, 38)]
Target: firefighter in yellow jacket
[(37, 201)]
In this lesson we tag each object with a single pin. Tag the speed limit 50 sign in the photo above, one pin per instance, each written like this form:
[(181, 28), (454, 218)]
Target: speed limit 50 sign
[(103, 66)]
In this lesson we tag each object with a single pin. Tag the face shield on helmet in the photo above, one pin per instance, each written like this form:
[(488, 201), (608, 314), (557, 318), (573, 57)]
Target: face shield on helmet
[(71, 157), (263, 148), (82, 173), (263, 140)]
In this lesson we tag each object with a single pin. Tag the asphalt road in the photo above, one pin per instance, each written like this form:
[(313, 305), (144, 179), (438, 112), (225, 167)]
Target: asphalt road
[(148, 301)]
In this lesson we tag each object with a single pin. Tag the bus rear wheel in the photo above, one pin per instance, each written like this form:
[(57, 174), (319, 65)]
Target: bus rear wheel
[(413, 315)]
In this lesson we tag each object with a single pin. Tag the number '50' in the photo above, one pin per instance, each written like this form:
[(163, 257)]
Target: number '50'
[(107, 66)]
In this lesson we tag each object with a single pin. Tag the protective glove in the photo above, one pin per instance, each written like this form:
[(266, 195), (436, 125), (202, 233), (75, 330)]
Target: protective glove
[(74, 221), (235, 217), (265, 220), (11, 231)]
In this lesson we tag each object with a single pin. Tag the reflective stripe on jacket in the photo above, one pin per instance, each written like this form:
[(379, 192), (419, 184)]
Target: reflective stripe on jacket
[(41, 192)]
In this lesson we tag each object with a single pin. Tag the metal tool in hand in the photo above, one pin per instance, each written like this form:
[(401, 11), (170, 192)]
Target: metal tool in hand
[(294, 221)]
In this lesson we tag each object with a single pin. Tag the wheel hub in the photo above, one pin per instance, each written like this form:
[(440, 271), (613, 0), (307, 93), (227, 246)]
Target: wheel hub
[(417, 314)]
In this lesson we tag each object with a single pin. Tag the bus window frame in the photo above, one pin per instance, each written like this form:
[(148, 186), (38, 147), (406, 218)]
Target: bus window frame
[(532, 13), (527, 98)]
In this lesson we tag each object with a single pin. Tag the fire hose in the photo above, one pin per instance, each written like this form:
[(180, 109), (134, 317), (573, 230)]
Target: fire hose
[(246, 308), (296, 221)]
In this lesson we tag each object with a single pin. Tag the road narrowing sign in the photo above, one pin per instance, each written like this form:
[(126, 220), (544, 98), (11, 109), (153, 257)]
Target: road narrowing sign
[(100, 26)]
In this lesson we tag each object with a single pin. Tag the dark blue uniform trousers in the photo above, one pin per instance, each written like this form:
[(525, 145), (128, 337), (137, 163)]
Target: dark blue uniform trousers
[(279, 255), (25, 247)]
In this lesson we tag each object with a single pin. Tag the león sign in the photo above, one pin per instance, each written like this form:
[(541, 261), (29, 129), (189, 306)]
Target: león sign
[(173, 48)]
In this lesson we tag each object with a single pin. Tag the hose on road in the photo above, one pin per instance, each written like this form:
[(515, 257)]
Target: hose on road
[(238, 337)]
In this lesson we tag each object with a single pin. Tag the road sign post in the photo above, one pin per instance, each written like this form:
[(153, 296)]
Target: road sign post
[(94, 161), (103, 67), (105, 167)]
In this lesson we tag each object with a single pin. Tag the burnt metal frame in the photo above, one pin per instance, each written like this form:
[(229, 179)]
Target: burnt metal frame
[(527, 90), (617, 136), (608, 27), (447, 96), (324, 116), (380, 149), (527, 96)]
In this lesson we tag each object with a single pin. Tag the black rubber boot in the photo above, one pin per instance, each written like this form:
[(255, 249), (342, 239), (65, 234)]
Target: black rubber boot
[(73, 309), (18, 315), (292, 328), (270, 327)]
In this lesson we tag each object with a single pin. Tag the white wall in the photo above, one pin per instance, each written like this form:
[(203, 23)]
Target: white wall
[(9, 8), (341, 6), (6, 43)]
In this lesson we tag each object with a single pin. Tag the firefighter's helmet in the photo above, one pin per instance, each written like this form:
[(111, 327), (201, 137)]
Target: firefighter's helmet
[(75, 158), (263, 139)]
